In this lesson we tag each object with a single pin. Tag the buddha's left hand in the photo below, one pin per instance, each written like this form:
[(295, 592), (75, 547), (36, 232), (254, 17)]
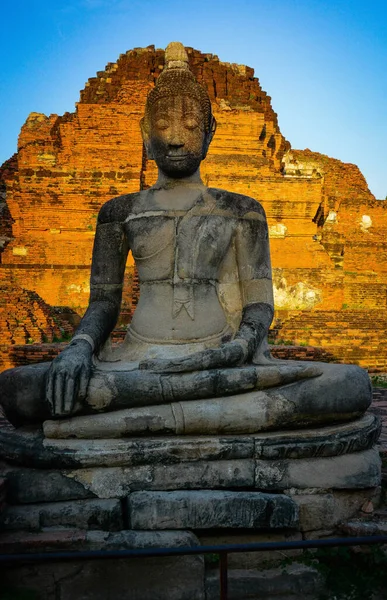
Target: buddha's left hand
[(230, 354)]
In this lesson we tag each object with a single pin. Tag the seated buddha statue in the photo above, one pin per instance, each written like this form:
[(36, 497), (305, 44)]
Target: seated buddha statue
[(195, 358)]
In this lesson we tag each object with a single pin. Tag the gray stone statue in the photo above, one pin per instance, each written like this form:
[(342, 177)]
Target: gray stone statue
[(195, 358), (189, 424)]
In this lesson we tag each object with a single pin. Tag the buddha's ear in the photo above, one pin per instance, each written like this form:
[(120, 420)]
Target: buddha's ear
[(209, 136), (146, 137), (213, 127)]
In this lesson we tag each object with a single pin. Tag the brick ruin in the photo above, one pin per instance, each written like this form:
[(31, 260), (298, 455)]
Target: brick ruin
[(327, 230)]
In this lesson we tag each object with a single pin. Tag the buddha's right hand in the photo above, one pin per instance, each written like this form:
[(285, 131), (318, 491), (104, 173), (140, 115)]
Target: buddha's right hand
[(68, 378)]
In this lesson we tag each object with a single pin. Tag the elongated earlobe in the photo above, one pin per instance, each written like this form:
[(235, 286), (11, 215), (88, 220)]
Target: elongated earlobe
[(146, 138), (213, 127), (209, 136)]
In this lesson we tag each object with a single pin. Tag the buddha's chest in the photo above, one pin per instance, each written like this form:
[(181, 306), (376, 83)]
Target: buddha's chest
[(184, 247)]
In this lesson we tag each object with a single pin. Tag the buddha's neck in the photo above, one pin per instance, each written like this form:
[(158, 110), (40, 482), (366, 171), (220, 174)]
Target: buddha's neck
[(164, 182)]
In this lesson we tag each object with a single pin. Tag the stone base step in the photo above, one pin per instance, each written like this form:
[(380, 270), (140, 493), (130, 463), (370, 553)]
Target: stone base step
[(306, 511), (81, 514), (291, 583), (354, 471), (211, 509), (182, 509)]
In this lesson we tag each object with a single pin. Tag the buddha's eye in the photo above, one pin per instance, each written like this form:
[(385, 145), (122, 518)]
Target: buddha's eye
[(162, 124), (191, 123)]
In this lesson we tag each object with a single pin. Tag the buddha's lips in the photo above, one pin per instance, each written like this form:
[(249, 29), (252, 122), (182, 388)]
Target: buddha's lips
[(176, 156)]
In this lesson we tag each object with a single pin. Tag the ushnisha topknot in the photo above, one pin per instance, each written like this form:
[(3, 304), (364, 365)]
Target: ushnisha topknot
[(177, 79), (176, 56)]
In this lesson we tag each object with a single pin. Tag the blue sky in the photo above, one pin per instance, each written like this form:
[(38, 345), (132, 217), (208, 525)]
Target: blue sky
[(324, 64)]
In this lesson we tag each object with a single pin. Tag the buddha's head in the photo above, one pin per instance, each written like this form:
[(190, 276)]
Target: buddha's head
[(178, 125)]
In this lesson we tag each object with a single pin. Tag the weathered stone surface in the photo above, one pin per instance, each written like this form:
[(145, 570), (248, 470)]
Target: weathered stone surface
[(137, 451), (210, 509), (334, 440), (24, 446), (33, 450), (29, 486), (324, 393), (349, 471), (291, 583), (120, 481), (129, 539), (324, 511), (81, 514)]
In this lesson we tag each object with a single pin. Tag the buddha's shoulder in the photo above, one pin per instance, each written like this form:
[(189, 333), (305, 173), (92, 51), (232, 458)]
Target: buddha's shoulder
[(118, 209), (237, 205)]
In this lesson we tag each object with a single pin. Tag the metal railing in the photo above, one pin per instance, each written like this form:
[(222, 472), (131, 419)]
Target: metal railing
[(222, 550)]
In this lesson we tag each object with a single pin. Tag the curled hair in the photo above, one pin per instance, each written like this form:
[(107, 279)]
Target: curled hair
[(176, 79)]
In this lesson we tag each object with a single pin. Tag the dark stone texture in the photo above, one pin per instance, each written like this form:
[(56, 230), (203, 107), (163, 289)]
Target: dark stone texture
[(335, 440), (349, 471), (24, 446), (29, 486), (81, 514), (211, 509), (28, 447)]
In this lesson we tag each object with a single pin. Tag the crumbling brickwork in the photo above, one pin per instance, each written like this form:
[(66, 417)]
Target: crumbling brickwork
[(26, 319), (327, 230)]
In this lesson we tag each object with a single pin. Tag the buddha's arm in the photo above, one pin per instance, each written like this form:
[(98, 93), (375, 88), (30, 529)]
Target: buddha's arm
[(107, 272), (255, 280), (254, 277), (69, 373)]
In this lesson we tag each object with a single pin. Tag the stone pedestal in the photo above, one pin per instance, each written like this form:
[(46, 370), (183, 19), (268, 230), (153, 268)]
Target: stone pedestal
[(183, 480), (82, 494)]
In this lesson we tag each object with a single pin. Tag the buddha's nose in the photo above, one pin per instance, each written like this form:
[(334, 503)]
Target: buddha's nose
[(176, 143), (175, 137)]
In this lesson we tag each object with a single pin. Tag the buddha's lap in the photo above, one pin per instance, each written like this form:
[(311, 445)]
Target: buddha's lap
[(310, 401), (347, 385), (316, 387)]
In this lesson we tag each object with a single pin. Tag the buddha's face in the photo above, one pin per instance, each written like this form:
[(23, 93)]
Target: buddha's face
[(177, 139)]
